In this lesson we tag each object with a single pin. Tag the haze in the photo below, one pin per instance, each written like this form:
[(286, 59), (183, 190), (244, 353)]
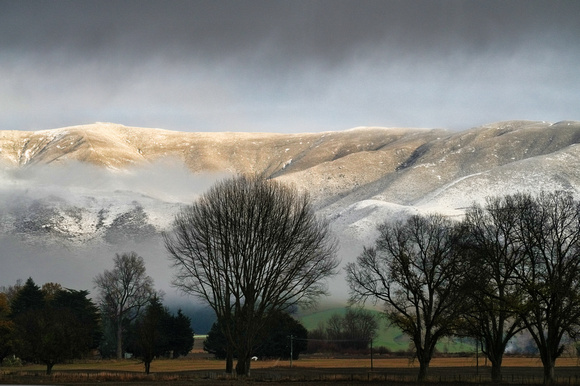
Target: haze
[(276, 66)]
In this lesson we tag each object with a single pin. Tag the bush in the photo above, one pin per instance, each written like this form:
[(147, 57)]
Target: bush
[(382, 350), (12, 361)]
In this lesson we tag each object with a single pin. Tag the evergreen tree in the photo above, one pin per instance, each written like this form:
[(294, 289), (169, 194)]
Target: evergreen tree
[(273, 343), (86, 329), (283, 332), (52, 331), (158, 333), (180, 335), (108, 342), (216, 343), (27, 298), (150, 338)]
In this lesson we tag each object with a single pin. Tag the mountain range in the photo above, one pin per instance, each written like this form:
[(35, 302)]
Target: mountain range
[(73, 197)]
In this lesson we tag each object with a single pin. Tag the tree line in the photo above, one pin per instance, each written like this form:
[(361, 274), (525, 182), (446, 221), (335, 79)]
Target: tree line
[(252, 248), (353, 331), (52, 324), (510, 265), (283, 337)]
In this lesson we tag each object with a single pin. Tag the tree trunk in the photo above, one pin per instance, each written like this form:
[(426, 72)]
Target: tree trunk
[(119, 339), (495, 356), (243, 365), (423, 367), (549, 366), (49, 366), (229, 360), (496, 372), (147, 367), (424, 357), (424, 360)]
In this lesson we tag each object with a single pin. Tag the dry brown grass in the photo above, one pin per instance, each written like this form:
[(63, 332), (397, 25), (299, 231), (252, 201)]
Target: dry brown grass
[(196, 364), (307, 371)]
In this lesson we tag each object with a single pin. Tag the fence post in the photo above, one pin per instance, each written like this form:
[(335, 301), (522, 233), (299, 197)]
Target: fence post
[(291, 350)]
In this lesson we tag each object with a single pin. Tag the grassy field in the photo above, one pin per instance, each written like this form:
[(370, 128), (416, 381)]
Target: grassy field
[(195, 364), (317, 369), (307, 371), (388, 336)]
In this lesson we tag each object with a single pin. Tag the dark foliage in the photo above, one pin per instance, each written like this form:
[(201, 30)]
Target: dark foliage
[(216, 343), (27, 298), (157, 333), (6, 328), (58, 329), (150, 334), (180, 335), (274, 343)]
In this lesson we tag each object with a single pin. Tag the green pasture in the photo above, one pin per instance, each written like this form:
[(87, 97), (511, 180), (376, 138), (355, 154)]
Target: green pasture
[(389, 336)]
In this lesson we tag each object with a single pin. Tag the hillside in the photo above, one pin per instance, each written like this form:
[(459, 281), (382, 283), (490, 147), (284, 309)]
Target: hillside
[(388, 336), (401, 166), (74, 196)]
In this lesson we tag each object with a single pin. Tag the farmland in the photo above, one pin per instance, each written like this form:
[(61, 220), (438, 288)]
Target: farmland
[(314, 370), (199, 368)]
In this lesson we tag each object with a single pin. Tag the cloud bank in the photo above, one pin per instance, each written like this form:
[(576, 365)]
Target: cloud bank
[(77, 190), (287, 66)]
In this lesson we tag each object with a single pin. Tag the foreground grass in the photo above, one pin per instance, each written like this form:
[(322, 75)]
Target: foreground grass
[(306, 371), (181, 365)]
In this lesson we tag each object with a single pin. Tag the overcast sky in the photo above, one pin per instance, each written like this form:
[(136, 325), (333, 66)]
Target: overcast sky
[(287, 66)]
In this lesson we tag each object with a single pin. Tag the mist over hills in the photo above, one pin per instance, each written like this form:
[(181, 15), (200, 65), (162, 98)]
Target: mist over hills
[(73, 197)]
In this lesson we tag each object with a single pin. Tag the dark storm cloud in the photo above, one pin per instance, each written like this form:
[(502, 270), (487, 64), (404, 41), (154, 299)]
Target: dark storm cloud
[(330, 31), (287, 65)]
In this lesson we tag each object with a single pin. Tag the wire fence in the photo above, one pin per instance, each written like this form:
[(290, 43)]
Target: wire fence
[(512, 376)]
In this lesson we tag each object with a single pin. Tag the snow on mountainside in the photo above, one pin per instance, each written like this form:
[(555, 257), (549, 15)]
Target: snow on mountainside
[(97, 189)]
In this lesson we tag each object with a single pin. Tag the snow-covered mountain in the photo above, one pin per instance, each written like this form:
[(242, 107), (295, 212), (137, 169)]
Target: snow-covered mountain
[(72, 197)]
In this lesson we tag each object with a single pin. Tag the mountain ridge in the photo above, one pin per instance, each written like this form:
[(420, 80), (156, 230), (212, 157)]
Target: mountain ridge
[(404, 166), (109, 187)]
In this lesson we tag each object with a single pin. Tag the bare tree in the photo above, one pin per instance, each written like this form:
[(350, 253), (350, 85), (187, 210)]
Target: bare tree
[(354, 330), (416, 272), (360, 326), (549, 230), (491, 246), (334, 327), (12, 290), (250, 247), (123, 292)]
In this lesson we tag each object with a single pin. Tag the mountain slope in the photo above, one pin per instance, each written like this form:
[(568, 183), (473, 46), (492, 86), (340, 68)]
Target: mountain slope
[(101, 188), (403, 164)]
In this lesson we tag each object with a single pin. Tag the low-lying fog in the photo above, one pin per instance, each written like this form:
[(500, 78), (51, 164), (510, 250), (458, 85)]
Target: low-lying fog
[(70, 249), (57, 222)]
